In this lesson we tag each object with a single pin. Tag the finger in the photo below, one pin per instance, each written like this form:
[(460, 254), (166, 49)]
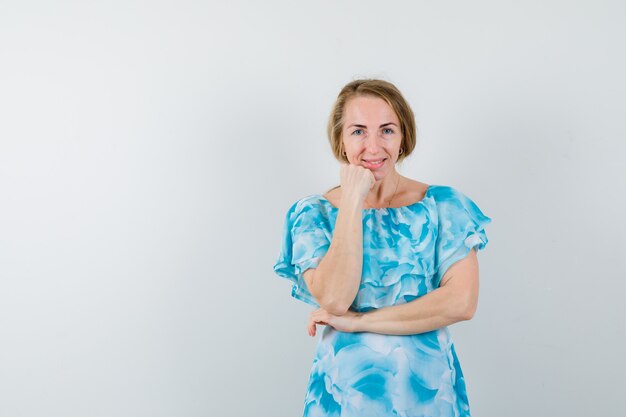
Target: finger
[(312, 327)]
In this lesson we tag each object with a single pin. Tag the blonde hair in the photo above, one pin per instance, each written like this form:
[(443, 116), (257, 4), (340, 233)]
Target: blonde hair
[(376, 88)]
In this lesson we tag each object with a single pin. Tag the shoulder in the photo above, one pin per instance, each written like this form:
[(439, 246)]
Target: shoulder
[(449, 196), (452, 203), (308, 220), (443, 193), (305, 208)]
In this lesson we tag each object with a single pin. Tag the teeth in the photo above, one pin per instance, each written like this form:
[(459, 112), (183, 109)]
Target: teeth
[(374, 162)]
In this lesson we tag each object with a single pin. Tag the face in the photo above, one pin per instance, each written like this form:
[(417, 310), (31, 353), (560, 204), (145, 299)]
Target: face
[(371, 133)]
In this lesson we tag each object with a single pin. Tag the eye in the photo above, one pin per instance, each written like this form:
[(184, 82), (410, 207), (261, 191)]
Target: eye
[(356, 132), (388, 130)]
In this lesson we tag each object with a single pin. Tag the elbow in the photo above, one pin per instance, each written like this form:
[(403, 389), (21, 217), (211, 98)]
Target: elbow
[(334, 307), (329, 300), (467, 315), (465, 309), (331, 304), (339, 310), (323, 300)]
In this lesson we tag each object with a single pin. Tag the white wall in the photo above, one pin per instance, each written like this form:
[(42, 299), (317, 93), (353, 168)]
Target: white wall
[(149, 152)]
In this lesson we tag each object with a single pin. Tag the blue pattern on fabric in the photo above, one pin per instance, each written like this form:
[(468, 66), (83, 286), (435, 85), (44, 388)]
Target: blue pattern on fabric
[(406, 252)]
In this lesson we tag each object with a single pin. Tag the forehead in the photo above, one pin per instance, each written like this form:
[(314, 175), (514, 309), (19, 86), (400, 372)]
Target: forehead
[(363, 109)]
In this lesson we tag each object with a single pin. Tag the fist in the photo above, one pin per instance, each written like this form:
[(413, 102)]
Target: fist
[(356, 181)]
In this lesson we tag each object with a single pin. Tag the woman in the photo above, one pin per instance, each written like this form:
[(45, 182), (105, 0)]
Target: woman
[(389, 263)]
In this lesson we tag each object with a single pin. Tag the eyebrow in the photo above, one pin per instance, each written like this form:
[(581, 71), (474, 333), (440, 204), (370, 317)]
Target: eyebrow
[(383, 125)]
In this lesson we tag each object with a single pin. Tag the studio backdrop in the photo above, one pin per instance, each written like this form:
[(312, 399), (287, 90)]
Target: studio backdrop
[(149, 152)]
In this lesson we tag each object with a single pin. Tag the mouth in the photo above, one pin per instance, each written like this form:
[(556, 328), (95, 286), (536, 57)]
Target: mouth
[(374, 163)]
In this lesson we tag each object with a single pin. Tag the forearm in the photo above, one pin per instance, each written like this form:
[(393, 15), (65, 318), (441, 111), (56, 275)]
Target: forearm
[(431, 311), (337, 278)]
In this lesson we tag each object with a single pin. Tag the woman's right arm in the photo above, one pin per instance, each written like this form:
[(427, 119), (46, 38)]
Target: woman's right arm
[(335, 282)]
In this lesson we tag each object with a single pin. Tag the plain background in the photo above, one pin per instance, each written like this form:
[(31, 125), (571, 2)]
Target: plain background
[(150, 150)]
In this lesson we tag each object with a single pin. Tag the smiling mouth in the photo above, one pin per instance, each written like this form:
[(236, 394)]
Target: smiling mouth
[(374, 163)]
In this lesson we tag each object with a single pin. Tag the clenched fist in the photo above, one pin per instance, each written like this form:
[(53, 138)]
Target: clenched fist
[(356, 182)]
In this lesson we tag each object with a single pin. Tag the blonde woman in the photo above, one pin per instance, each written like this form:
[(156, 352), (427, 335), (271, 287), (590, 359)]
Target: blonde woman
[(389, 262)]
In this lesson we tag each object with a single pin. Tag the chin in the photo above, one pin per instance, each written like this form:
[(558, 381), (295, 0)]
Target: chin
[(379, 175)]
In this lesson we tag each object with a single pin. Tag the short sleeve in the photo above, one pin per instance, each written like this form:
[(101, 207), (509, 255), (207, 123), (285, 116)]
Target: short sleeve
[(461, 228), (304, 244)]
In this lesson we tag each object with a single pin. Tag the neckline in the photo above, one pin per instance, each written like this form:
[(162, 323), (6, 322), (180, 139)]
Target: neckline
[(321, 197)]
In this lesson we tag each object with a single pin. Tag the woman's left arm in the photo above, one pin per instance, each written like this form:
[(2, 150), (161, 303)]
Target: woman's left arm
[(455, 300)]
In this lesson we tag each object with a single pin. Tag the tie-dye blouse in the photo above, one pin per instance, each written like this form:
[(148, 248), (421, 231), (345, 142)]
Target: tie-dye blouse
[(406, 252)]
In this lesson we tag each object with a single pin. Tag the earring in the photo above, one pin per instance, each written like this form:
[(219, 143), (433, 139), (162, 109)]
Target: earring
[(343, 153), (401, 150)]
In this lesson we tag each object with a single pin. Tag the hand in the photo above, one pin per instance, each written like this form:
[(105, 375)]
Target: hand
[(356, 181), (344, 323)]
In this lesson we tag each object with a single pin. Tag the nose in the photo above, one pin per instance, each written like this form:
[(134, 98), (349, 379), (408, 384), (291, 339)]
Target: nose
[(373, 144)]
